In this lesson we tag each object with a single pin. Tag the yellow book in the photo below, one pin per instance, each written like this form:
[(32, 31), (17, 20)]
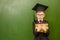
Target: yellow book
[(41, 25)]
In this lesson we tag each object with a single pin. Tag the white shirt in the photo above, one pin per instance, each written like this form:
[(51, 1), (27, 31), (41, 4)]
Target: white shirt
[(39, 20)]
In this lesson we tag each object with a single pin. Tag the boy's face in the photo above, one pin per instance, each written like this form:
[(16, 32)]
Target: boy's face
[(40, 15)]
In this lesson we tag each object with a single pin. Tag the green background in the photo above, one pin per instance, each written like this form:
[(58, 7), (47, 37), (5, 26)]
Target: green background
[(16, 17)]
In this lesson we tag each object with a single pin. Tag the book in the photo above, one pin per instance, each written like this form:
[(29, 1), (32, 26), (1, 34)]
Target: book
[(41, 25)]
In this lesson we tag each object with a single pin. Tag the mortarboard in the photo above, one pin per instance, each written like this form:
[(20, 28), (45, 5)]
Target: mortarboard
[(39, 7)]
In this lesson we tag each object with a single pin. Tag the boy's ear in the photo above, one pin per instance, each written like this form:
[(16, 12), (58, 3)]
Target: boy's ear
[(44, 15), (35, 14)]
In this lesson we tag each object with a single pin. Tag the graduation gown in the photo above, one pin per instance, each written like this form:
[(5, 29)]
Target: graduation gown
[(40, 35)]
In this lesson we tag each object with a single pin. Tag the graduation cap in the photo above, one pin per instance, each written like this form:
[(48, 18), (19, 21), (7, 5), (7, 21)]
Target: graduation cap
[(39, 7)]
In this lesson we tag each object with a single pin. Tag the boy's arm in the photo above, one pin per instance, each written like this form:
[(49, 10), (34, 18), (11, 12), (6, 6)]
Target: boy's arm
[(34, 32)]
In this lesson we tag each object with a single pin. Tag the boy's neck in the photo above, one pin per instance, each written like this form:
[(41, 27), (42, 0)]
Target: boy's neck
[(40, 19)]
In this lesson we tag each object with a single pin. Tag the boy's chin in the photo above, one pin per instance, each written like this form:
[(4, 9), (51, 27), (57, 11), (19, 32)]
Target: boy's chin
[(40, 18)]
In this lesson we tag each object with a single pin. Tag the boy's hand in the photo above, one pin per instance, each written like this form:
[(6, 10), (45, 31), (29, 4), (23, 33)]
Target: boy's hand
[(38, 29), (44, 28)]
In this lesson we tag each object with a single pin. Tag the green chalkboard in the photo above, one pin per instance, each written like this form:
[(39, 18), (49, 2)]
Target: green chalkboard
[(16, 17)]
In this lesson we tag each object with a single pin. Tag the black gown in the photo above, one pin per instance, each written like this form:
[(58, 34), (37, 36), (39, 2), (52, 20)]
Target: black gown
[(40, 35)]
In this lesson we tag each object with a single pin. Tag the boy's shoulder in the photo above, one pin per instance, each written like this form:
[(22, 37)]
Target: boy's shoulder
[(45, 21)]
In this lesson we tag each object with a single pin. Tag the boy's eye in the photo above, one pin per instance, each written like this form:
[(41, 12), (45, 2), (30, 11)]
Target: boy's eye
[(40, 14)]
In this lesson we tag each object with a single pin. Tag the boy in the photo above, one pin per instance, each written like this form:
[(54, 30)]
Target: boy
[(40, 30)]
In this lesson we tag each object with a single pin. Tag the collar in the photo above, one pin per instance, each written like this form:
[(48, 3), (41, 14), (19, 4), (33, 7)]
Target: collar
[(39, 20)]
